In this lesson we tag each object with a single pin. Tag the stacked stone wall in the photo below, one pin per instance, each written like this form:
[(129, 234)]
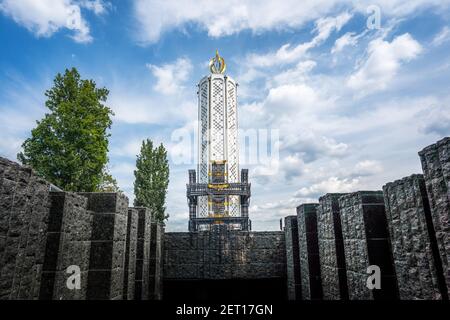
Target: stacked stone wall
[(130, 255), (142, 275), (107, 254), (155, 261), (331, 248), (224, 254), (410, 227), (311, 281), (67, 247), (64, 245), (24, 211), (435, 161), (294, 287), (366, 243)]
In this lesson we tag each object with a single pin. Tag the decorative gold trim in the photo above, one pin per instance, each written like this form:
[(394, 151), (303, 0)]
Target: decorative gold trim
[(218, 161), (218, 186), (217, 64)]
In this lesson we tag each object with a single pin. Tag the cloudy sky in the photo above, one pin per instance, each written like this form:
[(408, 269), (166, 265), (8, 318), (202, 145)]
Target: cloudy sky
[(352, 89)]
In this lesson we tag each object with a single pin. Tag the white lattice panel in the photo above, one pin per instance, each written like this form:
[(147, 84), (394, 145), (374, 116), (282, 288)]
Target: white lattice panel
[(234, 206), (204, 109), (202, 210), (202, 207), (232, 145), (217, 143), (232, 133)]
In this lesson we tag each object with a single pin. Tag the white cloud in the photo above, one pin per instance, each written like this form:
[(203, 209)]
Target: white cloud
[(22, 103), (10, 146), (44, 18), (222, 18), (442, 36), (324, 26), (311, 145), (123, 168), (332, 184), (367, 168), (130, 148), (383, 63), (171, 76), (287, 167), (99, 7), (288, 54), (130, 106), (435, 119), (348, 39), (400, 8), (294, 97), (297, 74)]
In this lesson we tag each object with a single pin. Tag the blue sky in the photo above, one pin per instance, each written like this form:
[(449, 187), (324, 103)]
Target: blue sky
[(352, 102)]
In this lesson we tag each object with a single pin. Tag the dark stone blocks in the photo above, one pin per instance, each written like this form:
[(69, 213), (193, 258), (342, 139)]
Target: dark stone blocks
[(24, 213), (416, 254), (292, 259), (103, 226), (435, 161), (108, 247), (68, 244), (130, 255), (104, 202), (311, 282), (366, 242), (142, 273), (46, 237), (101, 254), (224, 254), (155, 264)]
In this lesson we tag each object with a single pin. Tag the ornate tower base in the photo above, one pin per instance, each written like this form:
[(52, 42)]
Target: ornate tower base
[(217, 192)]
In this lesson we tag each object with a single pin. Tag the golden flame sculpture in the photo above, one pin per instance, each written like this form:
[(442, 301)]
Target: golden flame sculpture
[(217, 64)]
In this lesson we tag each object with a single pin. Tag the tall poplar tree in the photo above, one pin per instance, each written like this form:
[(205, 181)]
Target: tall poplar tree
[(152, 179)]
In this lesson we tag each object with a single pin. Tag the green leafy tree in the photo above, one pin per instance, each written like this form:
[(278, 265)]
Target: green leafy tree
[(152, 179), (69, 146)]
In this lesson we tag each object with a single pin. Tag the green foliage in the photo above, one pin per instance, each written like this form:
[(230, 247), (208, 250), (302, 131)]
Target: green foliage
[(69, 145), (152, 179)]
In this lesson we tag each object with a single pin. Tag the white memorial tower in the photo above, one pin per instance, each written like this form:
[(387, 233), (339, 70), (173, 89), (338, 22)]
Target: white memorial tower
[(218, 192)]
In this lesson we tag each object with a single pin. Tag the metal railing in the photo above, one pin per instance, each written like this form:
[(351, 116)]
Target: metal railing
[(203, 189)]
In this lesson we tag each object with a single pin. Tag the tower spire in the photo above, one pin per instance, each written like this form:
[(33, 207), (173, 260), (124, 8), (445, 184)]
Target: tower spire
[(217, 64)]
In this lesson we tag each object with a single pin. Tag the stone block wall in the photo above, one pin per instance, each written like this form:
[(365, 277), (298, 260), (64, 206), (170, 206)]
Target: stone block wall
[(107, 254), (331, 248), (24, 210), (413, 240), (435, 161), (155, 260), (142, 274), (130, 255), (68, 244), (43, 232), (224, 254), (311, 281), (366, 242), (294, 287)]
